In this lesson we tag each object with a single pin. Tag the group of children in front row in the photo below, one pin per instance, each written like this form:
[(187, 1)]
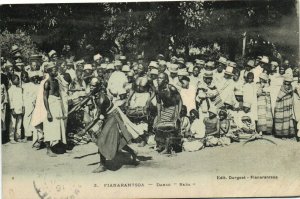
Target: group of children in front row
[(217, 127)]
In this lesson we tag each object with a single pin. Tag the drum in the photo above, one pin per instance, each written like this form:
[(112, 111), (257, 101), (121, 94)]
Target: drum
[(137, 113), (168, 126)]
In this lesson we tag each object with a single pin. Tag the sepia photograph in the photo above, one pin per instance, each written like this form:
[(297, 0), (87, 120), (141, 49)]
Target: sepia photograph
[(152, 99)]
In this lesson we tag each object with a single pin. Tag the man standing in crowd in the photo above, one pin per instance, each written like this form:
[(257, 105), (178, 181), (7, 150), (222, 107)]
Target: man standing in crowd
[(49, 111), (168, 109)]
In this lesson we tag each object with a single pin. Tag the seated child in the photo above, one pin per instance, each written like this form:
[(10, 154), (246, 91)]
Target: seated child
[(184, 122)]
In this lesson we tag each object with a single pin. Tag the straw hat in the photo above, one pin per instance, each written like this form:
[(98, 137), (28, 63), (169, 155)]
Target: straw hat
[(231, 64), (130, 74), (222, 60), (210, 64), (162, 63), (200, 62), (154, 71), (180, 60), (110, 67), (122, 57), (229, 70), (274, 63), (265, 59), (288, 78), (103, 66), (87, 67), (245, 117), (49, 65), (125, 68), (14, 49), (52, 53), (183, 72), (160, 56), (174, 58), (208, 74), (173, 68), (97, 57), (153, 64), (118, 63), (251, 63)]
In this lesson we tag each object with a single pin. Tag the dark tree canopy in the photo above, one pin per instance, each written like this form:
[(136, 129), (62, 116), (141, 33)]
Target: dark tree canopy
[(132, 28)]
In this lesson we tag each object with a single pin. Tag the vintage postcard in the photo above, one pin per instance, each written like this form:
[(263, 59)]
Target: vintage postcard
[(168, 99)]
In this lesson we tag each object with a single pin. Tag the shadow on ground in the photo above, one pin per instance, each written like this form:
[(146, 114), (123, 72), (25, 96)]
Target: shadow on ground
[(122, 159)]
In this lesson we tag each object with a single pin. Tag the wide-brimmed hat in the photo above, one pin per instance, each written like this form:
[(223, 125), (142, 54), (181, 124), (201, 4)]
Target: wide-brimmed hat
[(231, 64), (125, 68), (183, 72), (208, 74), (162, 63), (210, 64), (288, 77), (87, 67), (17, 54), (200, 62), (35, 57), (274, 63), (245, 117), (229, 70), (160, 56), (80, 62), (103, 66), (118, 63), (97, 57), (265, 59), (52, 53), (264, 76), (122, 57), (130, 74), (222, 60), (14, 49), (174, 57), (153, 64), (154, 71), (251, 63), (110, 67), (180, 60), (48, 65), (173, 68)]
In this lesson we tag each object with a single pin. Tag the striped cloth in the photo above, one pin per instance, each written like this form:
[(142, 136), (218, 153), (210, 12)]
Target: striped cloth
[(265, 116), (283, 114), (167, 114)]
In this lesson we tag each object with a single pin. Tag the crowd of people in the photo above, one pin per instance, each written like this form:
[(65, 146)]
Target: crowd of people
[(170, 103)]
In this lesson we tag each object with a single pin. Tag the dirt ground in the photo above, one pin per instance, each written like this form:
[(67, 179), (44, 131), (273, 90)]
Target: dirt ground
[(22, 163)]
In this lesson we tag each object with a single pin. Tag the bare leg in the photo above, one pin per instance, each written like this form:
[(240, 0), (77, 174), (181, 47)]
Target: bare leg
[(49, 151), (101, 167), (166, 150), (132, 153)]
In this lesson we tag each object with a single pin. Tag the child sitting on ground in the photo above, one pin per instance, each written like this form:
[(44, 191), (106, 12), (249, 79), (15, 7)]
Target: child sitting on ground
[(185, 122)]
